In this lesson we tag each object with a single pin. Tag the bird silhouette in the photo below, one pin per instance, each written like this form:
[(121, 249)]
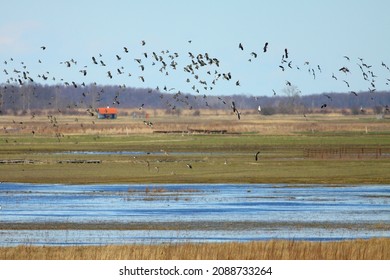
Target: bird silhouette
[(265, 47), (257, 155), (344, 69), (233, 106)]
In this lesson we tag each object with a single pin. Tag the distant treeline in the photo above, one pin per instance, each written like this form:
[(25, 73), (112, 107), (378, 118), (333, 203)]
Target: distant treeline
[(15, 99)]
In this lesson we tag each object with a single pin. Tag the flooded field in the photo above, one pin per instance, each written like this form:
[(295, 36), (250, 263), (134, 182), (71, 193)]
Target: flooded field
[(43, 214)]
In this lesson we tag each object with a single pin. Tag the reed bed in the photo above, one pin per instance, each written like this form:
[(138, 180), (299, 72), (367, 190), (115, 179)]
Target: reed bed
[(371, 249)]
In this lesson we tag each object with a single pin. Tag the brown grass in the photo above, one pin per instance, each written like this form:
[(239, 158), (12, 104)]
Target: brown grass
[(208, 120), (372, 249)]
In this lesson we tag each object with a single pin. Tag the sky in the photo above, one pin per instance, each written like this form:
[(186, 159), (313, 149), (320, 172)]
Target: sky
[(317, 35)]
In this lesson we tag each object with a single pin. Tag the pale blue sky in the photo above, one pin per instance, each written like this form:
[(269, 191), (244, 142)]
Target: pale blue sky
[(320, 32)]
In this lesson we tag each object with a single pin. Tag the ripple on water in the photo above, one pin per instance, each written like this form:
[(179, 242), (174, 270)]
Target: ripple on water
[(229, 203)]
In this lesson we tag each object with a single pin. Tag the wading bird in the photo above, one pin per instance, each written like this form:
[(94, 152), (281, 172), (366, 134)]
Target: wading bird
[(257, 155)]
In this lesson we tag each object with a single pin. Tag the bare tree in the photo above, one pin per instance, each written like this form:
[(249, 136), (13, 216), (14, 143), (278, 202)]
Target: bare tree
[(291, 104)]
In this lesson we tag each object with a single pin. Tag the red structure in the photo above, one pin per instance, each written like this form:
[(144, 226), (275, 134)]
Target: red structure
[(107, 113)]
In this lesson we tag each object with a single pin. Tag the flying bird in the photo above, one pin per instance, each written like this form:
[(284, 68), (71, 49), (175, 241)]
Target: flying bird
[(233, 106), (257, 155), (286, 53), (241, 47), (265, 47), (354, 93), (344, 69)]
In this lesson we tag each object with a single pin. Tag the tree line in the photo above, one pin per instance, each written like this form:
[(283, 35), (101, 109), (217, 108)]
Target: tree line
[(16, 100)]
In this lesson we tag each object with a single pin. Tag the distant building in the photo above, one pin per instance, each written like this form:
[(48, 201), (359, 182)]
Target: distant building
[(107, 113)]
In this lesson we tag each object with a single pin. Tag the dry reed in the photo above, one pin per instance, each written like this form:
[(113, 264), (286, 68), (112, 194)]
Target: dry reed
[(372, 249)]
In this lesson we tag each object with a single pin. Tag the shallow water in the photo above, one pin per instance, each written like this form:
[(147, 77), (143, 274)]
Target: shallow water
[(277, 207)]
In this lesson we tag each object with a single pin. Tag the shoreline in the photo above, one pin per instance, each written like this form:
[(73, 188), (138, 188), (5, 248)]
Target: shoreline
[(190, 225)]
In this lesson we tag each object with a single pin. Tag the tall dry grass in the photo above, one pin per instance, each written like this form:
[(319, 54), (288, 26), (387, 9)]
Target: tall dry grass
[(372, 249), (208, 120)]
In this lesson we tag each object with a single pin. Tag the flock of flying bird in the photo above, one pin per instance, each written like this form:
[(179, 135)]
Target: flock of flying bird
[(201, 71)]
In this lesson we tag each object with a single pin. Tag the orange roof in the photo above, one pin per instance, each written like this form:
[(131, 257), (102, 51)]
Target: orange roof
[(109, 111)]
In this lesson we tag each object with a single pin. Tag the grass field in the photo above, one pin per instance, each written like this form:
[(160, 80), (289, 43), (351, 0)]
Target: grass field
[(330, 149), (322, 149)]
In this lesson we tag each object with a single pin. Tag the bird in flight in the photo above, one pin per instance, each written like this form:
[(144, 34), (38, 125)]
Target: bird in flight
[(344, 69), (241, 47), (265, 47), (233, 106), (354, 93)]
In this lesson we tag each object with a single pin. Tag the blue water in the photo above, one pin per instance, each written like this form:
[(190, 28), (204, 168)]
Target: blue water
[(268, 203)]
